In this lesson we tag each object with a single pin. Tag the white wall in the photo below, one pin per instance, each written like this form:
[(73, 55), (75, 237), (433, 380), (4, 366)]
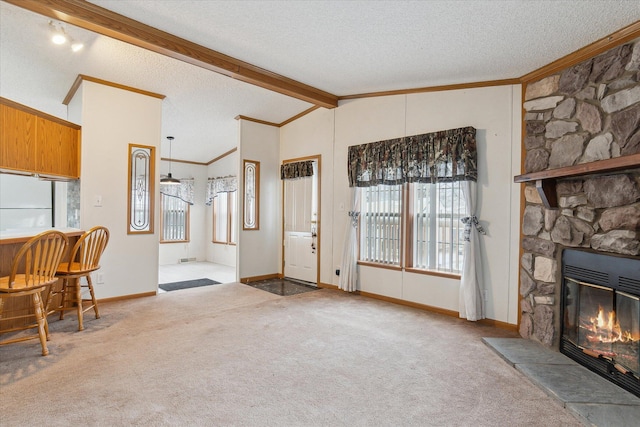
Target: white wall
[(112, 118), (217, 252), (260, 251), (495, 113), (171, 253), (313, 135)]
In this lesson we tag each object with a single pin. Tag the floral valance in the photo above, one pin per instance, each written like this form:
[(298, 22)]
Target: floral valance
[(225, 184), (184, 191), (442, 156), (296, 170)]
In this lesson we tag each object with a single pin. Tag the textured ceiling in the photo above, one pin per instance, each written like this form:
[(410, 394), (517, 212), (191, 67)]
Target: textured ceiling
[(344, 48)]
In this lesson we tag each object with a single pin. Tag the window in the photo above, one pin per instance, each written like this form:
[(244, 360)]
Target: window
[(174, 216), (380, 224), (225, 217), (140, 189), (437, 234), (251, 195), (434, 231)]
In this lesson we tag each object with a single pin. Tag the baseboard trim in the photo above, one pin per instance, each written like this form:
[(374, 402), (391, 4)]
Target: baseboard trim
[(327, 286), (263, 277), (409, 304), (499, 324), (425, 307), (126, 297)]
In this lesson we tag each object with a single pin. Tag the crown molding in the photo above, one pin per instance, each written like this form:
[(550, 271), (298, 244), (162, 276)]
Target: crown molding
[(222, 156), (621, 36), (17, 106), (251, 119), (81, 77), (433, 89), (297, 116), (183, 161)]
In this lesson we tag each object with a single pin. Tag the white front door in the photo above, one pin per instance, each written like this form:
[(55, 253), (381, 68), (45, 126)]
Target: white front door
[(300, 261), (300, 221)]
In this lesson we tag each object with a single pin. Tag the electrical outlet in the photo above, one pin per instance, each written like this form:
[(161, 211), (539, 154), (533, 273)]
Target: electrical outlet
[(99, 277)]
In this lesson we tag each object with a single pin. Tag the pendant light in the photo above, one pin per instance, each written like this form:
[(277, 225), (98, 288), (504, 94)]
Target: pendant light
[(169, 180)]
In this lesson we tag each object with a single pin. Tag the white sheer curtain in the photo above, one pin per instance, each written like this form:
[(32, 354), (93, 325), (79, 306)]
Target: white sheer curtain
[(349, 266), (471, 301)]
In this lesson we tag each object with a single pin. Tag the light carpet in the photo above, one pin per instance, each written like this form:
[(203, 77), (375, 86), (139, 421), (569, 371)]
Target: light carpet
[(232, 355)]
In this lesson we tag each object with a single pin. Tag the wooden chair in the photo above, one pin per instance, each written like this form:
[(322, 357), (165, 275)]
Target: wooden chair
[(84, 259), (32, 270)]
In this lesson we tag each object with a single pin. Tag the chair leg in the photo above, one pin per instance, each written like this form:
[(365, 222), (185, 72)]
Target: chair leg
[(78, 291), (93, 296), (63, 297), (43, 327), (46, 322)]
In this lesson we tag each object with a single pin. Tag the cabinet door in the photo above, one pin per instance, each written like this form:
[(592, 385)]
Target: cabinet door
[(17, 139), (58, 149)]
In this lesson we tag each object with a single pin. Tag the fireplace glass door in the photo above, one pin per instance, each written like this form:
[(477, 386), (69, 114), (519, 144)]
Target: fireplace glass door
[(603, 323)]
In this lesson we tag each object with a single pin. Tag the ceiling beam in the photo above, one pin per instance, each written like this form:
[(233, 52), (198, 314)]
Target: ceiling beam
[(103, 21)]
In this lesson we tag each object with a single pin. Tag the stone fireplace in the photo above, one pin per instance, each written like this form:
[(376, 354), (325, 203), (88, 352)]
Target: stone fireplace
[(584, 114)]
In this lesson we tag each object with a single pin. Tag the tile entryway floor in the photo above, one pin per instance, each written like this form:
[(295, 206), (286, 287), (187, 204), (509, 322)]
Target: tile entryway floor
[(196, 270), (283, 287)]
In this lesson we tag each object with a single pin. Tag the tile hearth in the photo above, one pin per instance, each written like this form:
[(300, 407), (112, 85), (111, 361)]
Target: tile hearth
[(592, 399)]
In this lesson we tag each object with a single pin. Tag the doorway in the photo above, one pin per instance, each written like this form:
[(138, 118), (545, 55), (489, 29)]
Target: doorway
[(301, 251)]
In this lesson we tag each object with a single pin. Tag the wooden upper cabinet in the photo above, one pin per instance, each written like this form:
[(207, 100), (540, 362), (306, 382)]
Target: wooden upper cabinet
[(17, 139), (58, 149), (34, 142)]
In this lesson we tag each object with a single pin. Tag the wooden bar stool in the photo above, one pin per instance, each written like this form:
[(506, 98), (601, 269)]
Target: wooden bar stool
[(84, 259), (32, 270)]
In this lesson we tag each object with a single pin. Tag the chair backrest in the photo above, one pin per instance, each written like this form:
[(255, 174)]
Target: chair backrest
[(39, 258), (89, 248)]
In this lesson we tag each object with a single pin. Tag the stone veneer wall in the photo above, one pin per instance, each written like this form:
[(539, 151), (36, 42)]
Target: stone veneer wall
[(585, 113)]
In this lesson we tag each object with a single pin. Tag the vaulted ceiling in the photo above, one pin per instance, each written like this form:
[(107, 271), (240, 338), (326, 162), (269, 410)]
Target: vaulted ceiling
[(272, 60)]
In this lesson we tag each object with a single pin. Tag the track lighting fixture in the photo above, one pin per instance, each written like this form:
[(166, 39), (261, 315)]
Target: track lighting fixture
[(59, 36)]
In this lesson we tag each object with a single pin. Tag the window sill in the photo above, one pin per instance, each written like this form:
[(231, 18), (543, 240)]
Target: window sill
[(376, 265), (411, 270), (173, 241), (223, 243), (433, 273)]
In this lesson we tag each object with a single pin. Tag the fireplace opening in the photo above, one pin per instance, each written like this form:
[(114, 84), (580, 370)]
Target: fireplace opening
[(601, 315)]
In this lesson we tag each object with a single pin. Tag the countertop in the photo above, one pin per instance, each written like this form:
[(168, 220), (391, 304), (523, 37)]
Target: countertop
[(21, 235)]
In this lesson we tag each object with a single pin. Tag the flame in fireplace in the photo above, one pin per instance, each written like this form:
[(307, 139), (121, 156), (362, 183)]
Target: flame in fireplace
[(605, 328)]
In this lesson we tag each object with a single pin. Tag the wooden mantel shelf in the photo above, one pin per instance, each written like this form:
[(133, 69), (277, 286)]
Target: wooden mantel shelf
[(546, 180)]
